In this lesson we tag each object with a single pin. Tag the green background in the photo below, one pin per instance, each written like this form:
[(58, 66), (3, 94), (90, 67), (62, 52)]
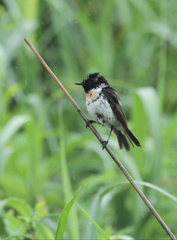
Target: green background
[(47, 154)]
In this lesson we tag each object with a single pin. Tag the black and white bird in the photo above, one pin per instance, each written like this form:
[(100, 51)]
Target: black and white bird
[(104, 104)]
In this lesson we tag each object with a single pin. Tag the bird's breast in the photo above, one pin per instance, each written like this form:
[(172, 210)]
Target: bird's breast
[(99, 107), (92, 95), (93, 99)]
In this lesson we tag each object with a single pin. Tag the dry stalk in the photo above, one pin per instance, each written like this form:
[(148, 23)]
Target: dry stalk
[(116, 160)]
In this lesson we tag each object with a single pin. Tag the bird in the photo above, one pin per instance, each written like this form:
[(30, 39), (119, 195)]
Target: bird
[(103, 103)]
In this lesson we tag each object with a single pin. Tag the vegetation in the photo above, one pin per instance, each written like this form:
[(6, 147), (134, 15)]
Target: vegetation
[(55, 180)]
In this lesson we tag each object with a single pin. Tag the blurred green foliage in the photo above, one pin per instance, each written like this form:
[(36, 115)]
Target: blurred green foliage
[(46, 153)]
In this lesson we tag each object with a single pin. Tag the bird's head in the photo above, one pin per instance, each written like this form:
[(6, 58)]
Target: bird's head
[(93, 81)]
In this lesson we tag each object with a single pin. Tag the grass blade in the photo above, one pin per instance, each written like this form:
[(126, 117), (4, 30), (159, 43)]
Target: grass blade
[(102, 232), (67, 187), (64, 216)]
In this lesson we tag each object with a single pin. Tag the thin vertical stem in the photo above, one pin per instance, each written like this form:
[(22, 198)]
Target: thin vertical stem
[(66, 184), (162, 55)]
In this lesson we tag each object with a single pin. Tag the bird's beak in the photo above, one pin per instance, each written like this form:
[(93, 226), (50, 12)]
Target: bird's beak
[(79, 83)]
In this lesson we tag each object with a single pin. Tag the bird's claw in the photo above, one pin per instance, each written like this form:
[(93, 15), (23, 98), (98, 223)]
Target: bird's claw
[(104, 144), (89, 122)]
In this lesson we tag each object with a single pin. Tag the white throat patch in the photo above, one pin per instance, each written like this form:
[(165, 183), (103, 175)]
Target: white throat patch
[(102, 86)]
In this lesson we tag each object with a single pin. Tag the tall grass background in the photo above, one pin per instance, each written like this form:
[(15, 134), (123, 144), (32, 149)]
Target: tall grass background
[(47, 154)]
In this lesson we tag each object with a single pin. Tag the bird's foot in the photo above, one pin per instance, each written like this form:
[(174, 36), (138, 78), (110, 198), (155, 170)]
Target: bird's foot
[(104, 144), (89, 122)]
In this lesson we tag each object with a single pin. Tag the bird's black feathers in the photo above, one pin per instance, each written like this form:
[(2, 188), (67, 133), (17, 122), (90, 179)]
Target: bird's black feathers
[(122, 141), (95, 82), (114, 102)]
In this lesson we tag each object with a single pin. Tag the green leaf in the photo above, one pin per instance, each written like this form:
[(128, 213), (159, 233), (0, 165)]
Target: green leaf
[(19, 205), (162, 191), (12, 126), (43, 232), (64, 216), (102, 232)]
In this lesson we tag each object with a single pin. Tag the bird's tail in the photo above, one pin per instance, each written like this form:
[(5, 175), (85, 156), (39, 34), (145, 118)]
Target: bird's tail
[(124, 137), (133, 138)]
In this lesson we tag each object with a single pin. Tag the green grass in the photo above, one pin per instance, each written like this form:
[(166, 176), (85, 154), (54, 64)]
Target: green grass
[(47, 154)]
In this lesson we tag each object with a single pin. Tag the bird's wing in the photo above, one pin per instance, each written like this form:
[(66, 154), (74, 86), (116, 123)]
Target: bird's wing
[(114, 102)]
